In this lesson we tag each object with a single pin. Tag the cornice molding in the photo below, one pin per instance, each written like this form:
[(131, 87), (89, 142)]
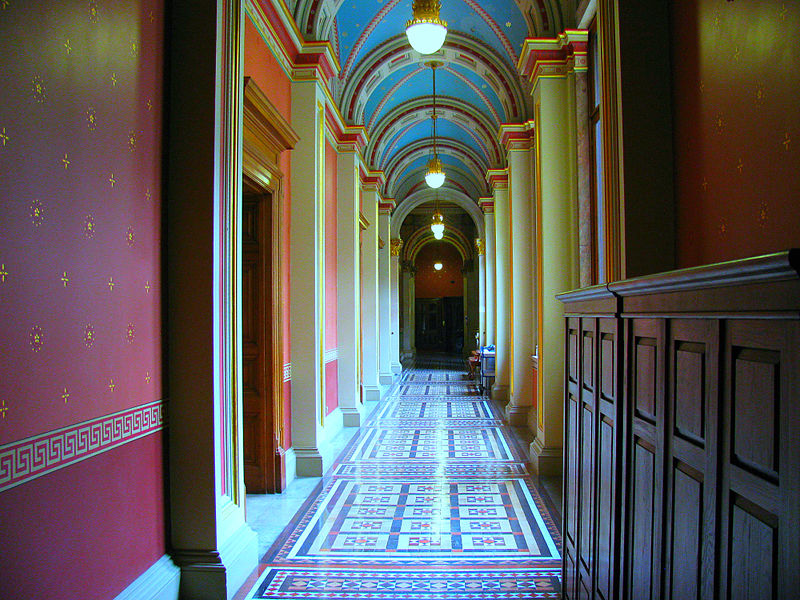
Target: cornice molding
[(555, 57), (497, 179), (518, 136)]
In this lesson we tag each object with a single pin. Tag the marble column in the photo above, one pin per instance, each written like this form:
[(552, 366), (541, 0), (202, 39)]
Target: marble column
[(409, 316), (487, 205), (396, 246), (385, 293), (518, 140), (348, 260), (369, 289), (307, 272), (498, 179)]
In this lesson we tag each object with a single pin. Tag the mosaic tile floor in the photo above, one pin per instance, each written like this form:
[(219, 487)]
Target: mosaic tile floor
[(431, 501)]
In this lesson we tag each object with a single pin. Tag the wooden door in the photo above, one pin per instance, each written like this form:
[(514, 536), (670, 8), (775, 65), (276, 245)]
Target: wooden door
[(263, 470)]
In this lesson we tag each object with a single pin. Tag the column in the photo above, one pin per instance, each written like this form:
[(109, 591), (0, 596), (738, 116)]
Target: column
[(208, 537), (409, 298), (349, 286), (369, 288), (518, 140), (498, 179), (396, 247), (385, 293), (307, 272), (557, 236), (480, 251), (487, 205)]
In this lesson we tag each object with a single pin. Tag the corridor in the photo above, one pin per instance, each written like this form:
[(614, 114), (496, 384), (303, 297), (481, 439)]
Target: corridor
[(431, 500)]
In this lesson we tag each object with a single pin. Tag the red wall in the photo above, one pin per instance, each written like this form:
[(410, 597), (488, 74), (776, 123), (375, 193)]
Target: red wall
[(261, 65), (430, 283), (331, 277), (80, 177), (737, 128)]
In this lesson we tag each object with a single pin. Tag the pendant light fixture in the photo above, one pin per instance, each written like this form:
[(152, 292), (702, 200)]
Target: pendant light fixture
[(426, 31), (437, 220), (435, 176)]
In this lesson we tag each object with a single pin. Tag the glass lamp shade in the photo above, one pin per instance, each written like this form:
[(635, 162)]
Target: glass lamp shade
[(426, 37), (435, 176), (438, 266), (437, 225), (438, 235)]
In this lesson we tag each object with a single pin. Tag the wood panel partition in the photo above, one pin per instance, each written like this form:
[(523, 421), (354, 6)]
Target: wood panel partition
[(682, 437)]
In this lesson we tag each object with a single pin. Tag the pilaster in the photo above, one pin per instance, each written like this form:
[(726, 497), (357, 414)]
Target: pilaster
[(385, 333), (519, 140), (409, 314), (395, 247), (307, 273), (208, 537), (370, 198), (480, 250), (498, 180), (487, 206), (348, 261)]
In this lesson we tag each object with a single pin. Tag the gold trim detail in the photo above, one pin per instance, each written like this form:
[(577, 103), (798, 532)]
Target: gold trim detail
[(396, 246)]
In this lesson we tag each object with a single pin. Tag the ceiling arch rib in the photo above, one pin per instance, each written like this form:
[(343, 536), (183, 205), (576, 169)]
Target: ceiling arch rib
[(423, 236), (428, 195), (463, 115), (474, 168), (458, 179), (459, 50)]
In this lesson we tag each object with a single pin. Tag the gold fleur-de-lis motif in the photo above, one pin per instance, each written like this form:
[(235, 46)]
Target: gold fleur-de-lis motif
[(723, 227), (152, 16), (91, 119), (147, 287), (88, 227), (68, 46), (134, 48), (88, 336), (148, 194), (149, 104), (705, 184), (93, 13), (38, 88), (37, 338), (508, 24), (65, 279), (4, 136), (786, 141), (130, 333), (702, 86), (114, 80), (147, 377), (762, 214), (4, 4), (783, 12), (131, 140), (3, 407), (130, 237), (3, 273), (66, 161), (111, 284), (737, 54), (112, 180), (37, 213), (65, 395), (740, 165), (111, 385)]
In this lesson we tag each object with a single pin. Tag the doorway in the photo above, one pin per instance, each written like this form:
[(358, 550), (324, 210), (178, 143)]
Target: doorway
[(440, 324), (263, 457)]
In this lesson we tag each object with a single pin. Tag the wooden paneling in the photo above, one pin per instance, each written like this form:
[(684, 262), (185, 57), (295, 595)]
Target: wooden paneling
[(682, 441)]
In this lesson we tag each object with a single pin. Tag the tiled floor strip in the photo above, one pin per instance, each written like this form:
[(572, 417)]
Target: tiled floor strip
[(431, 501)]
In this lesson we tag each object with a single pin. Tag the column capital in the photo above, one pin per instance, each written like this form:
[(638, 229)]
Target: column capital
[(554, 57), (497, 178), (352, 139), (386, 206), (396, 246), (480, 247), (372, 180), (486, 205), (518, 136)]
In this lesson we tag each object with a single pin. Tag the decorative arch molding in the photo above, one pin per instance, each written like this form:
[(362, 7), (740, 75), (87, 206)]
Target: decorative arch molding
[(457, 180), (423, 236), (459, 49), (397, 165), (458, 112), (460, 199)]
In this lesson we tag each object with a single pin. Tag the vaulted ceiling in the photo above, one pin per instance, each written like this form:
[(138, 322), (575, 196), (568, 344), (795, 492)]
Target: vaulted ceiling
[(385, 86)]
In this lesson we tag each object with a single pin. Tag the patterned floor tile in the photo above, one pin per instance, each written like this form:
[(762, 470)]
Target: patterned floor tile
[(431, 501)]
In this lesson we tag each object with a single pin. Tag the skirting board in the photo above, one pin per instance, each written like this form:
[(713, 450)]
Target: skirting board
[(160, 582), (291, 466), (545, 461)]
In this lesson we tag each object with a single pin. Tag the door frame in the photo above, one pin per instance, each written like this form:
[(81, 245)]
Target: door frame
[(266, 135)]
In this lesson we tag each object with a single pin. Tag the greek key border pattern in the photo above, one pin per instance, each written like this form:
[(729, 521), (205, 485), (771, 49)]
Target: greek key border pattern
[(33, 457)]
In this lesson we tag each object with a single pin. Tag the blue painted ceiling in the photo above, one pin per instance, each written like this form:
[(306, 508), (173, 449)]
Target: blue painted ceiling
[(385, 86)]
